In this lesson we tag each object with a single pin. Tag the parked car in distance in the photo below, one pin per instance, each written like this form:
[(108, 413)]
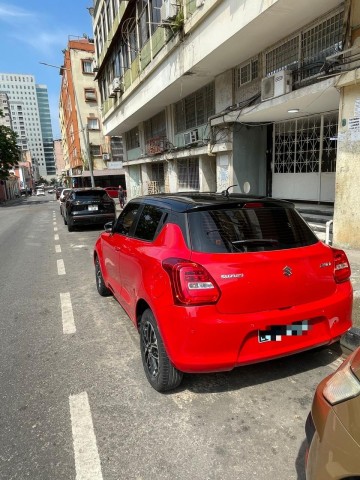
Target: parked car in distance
[(88, 206), (62, 198), (40, 191), (112, 191), (333, 425), (213, 282), (58, 191)]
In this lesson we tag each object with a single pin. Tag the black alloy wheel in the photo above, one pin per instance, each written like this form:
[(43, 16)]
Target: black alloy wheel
[(100, 284), (160, 372)]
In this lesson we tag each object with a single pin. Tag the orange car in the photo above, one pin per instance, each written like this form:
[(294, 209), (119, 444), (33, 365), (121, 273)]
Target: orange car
[(333, 426)]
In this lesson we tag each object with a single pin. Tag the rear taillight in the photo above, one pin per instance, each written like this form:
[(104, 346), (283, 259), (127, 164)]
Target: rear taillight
[(191, 283), (342, 270)]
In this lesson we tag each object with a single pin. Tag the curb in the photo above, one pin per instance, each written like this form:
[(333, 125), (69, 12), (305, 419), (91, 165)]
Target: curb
[(351, 339)]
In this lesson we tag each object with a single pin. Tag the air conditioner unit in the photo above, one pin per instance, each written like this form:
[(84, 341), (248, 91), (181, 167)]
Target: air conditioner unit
[(117, 84), (191, 137), (112, 93), (278, 84), (106, 156), (168, 10)]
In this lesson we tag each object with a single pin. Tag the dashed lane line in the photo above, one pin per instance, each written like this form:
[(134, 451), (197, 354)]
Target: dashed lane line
[(56, 237), (58, 248), (61, 267), (87, 460), (67, 314), (55, 229)]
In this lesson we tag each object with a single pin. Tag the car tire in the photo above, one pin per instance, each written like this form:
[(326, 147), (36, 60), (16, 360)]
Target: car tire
[(100, 284), (160, 372), (65, 221), (70, 227)]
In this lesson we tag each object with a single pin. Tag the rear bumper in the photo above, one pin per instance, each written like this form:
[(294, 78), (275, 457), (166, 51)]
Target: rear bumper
[(91, 219), (199, 339)]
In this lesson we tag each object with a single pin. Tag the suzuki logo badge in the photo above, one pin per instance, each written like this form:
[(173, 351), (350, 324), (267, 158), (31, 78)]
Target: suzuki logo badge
[(287, 271)]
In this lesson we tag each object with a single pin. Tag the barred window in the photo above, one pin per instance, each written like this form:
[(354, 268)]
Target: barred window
[(306, 52), (195, 109), (188, 174), (156, 126), (284, 56)]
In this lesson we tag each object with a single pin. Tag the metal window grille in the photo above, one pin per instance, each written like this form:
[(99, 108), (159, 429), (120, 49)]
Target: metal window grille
[(195, 109), (306, 51), (284, 56), (319, 42), (299, 144), (188, 174)]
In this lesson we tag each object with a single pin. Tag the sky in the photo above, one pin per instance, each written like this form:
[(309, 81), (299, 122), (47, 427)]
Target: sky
[(37, 31)]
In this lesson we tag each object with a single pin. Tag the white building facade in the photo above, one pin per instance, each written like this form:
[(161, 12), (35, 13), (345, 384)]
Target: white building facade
[(209, 93), (24, 109)]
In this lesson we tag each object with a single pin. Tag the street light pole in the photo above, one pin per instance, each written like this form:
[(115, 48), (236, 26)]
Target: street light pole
[(84, 130)]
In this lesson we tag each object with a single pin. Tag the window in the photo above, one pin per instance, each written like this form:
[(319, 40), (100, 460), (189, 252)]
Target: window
[(90, 94), (188, 174), (132, 139), (306, 52), (87, 66), (247, 72), (195, 109), (93, 123), (126, 219), (243, 230), (148, 223), (156, 126), (95, 150)]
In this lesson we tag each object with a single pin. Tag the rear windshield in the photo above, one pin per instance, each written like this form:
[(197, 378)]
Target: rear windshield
[(248, 230), (92, 195)]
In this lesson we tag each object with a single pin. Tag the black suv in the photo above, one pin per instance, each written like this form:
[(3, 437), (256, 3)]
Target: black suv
[(88, 206)]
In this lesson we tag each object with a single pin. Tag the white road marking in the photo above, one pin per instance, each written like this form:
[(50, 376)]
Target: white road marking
[(87, 460), (67, 314), (61, 267), (54, 223), (58, 248), (55, 229), (56, 236)]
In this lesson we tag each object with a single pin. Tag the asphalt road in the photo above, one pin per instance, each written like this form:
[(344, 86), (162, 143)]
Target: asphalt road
[(75, 403)]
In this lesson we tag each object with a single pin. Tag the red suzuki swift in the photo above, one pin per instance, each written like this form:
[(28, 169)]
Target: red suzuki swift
[(216, 281)]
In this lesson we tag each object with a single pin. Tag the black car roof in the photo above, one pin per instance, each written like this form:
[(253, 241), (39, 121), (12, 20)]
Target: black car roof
[(182, 202)]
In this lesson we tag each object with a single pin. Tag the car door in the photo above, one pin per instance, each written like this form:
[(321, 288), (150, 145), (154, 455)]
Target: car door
[(115, 247), (136, 256)]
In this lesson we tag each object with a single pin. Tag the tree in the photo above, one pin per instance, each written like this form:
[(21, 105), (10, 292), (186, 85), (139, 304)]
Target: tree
[(10, 153)]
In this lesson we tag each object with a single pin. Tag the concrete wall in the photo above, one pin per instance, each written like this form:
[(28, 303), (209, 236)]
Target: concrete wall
[(346, 208)]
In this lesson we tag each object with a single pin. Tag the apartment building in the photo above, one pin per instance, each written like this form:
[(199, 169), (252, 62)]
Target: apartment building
[(27, 118), (5, 110), (260, 95), (88, 155)]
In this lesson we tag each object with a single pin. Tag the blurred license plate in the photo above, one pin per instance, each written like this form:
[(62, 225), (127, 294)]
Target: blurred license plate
[(92, 207)]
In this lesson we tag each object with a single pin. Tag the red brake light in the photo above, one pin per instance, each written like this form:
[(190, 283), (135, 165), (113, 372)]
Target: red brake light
[(191, 283), (253, 205), (342, 270)]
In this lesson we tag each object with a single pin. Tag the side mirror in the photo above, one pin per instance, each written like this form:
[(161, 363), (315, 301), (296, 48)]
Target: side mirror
[(108, 227)]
